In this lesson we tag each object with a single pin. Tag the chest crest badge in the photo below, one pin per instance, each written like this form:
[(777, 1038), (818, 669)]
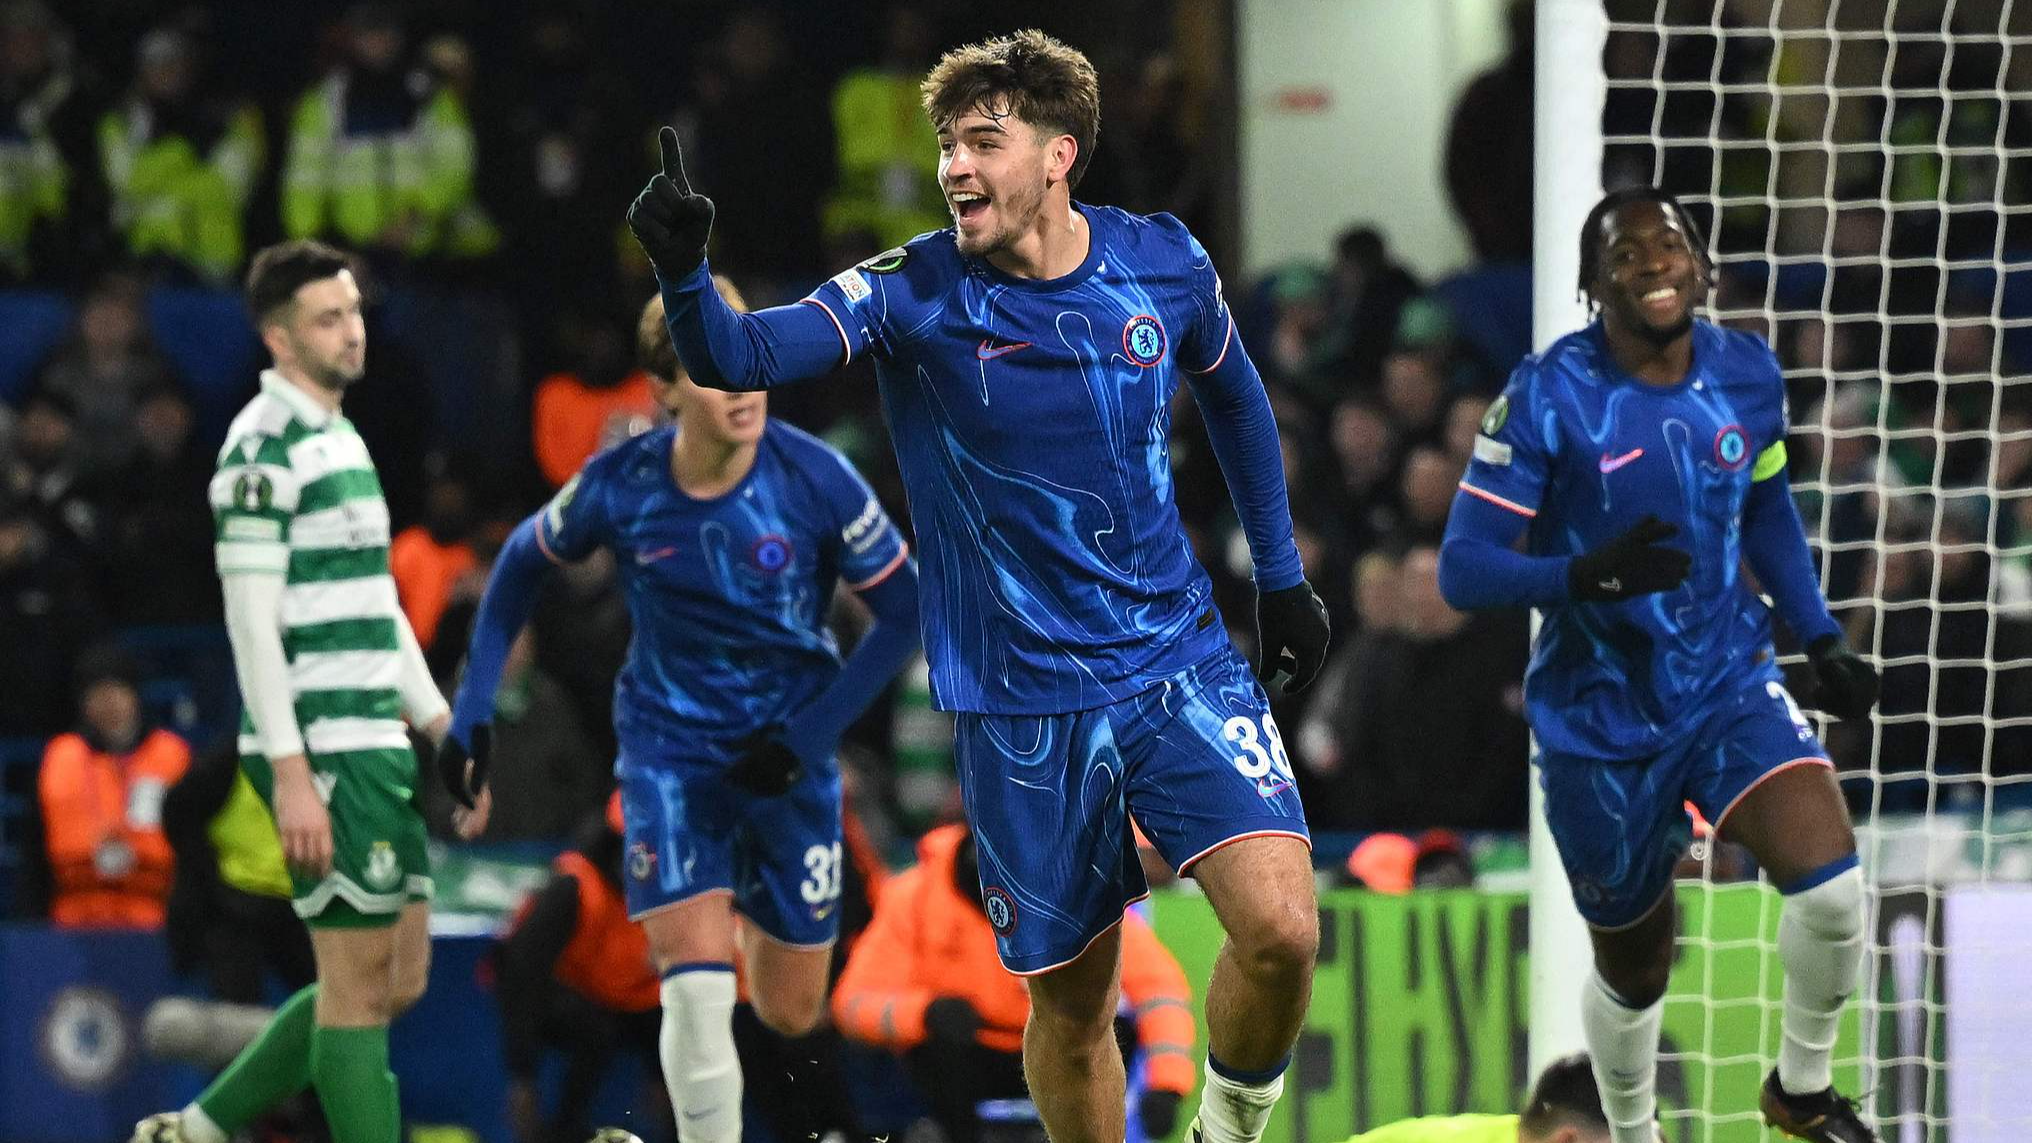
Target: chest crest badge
[(1143, 340), (1731, 447)]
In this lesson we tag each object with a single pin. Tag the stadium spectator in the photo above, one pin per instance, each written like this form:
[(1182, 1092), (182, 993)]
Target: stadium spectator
[(229, 918), (48, 610), (1415, 392), (430, 558), (1368, 294), (753, 107), (102, 369), (380, 153), (51, 229), (573, 974), (1428, 691), (1425, 489), (888, 158), (924, 982), (1365, 443), (599, 401), (48, 469), (180, 164), (158, 529), (1488, 150), (548, 776), (101, 789), (1564, 1107), (552, 188)]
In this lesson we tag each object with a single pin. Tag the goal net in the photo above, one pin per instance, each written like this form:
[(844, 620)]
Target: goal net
[(1863, 170)]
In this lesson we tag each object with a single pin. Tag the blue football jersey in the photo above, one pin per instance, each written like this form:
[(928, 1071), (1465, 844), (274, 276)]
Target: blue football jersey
[(728, 595), (1031, 422), (1587, 451)]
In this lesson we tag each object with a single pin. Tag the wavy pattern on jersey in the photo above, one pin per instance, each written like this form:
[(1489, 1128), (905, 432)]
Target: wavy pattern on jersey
[(1057, 576), (721, 643), (1613, 680)]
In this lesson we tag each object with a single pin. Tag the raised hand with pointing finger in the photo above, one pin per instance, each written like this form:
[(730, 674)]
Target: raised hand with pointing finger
[(669, 221)]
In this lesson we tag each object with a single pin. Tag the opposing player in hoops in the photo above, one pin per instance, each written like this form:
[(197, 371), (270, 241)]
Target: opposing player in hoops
[(1643, 458)]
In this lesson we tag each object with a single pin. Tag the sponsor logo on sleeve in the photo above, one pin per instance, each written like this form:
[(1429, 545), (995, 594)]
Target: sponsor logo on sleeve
[(853, 285), (1489, 450)]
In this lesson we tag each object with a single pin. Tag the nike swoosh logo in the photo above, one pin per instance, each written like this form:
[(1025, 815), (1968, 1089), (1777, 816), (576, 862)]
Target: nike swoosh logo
[(644, 559), (701, 1114), (989, 351), (1270, 789), (821, 914), (1612, 463)]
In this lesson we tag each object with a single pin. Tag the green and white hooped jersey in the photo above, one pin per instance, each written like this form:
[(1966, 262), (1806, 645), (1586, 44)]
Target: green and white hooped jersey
[(296, 493)]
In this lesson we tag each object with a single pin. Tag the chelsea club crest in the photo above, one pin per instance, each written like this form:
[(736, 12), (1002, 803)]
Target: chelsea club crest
[(1143, 340)]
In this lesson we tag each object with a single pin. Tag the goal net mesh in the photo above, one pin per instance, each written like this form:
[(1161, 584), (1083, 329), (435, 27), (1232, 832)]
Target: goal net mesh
[(1863, 172)]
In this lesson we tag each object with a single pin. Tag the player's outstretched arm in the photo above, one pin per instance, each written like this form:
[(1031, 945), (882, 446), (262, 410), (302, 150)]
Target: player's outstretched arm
[(720, 348), (512, 587)]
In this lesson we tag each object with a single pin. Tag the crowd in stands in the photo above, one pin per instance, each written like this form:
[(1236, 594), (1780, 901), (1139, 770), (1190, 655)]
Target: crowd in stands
[(482, 171), (489, 211)]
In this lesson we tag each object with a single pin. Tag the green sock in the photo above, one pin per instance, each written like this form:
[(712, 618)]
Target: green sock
[(269, 1070), (350, 1068)]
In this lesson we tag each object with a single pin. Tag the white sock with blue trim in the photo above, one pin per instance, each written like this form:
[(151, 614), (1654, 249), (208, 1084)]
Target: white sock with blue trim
[(1235, 1106), (1820, 943), (696, 1047)]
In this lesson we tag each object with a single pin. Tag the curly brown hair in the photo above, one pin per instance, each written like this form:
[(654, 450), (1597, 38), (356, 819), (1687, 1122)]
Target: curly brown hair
[(1030, 76)]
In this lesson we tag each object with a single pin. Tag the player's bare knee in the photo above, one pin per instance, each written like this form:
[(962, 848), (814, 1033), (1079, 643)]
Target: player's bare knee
[(790, 1012), (412, 975), (1280, 946)]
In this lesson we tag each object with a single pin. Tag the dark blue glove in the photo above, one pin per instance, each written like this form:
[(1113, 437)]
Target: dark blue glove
[(1291, 636), (463, 767), (766, 765), (671, 222), (1631, 564), (1846, 685)]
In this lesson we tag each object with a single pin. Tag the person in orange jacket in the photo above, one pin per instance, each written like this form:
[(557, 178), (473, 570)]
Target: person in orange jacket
[(573, 973), (924, 982), (101, 789)]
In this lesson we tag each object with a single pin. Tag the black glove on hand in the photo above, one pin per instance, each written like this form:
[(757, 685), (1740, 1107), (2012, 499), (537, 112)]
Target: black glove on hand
[(952, 1021), (453, 757), (1846, 685), (767, 766), (1629, 565), (1291, 635), (671, 223), (1159, 1112)]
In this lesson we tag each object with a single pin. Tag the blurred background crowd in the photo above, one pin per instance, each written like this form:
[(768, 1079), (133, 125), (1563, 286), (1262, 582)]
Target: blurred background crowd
[(480, 157)]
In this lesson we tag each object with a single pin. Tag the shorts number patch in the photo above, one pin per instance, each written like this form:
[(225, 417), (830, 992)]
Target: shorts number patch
[(1263, 759), (1777, 691), (824, 883)]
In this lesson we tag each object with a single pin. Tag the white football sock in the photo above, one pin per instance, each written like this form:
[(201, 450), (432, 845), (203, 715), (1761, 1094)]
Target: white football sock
[(697, 1049), (1231, 1111), (197, 1127), (1820, 943), (1623, 1045)]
